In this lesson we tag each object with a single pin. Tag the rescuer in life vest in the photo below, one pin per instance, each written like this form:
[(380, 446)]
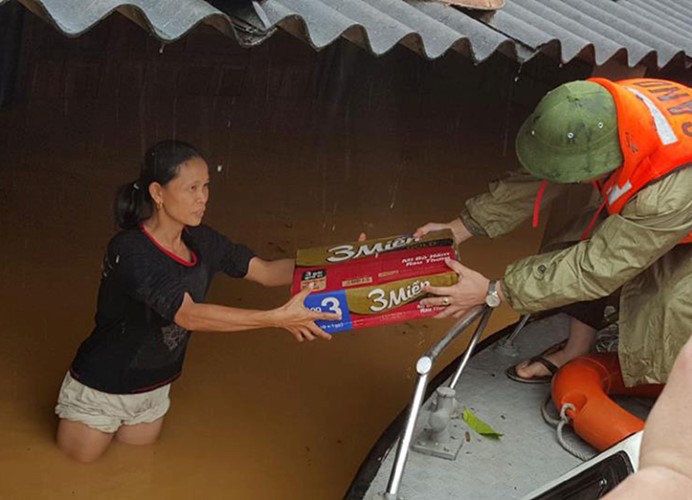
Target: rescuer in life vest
[(629, 240)]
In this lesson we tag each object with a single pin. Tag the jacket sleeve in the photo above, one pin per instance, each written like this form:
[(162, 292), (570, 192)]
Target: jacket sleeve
[(624, 245), (508, 202)]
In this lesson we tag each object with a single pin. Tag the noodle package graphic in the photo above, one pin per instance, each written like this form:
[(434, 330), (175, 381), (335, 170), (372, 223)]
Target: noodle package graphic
[(375, 282)]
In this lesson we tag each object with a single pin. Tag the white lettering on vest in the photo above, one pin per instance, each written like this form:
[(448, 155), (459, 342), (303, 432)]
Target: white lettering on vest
[(681, 109), (669, 94), (687, 129)]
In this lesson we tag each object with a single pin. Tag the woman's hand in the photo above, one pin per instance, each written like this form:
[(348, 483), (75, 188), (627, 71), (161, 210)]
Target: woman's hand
[(468, 292), (300, 321), (459, 231)]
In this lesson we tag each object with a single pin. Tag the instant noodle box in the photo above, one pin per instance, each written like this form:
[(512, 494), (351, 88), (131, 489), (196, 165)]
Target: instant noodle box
[(375, 282)]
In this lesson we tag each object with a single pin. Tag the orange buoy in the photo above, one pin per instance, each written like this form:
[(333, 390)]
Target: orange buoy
[(586, 382)]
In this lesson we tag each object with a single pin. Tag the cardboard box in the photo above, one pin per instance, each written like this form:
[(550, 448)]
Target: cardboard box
[(375, 282)]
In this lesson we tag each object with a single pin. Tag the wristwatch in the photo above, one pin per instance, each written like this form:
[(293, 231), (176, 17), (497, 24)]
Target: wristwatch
[(492, 298)]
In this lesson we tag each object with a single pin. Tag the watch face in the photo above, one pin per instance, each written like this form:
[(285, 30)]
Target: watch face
[(492, 300)]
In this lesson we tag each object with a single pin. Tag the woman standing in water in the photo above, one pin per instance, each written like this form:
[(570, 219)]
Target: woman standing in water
[(155, 276)]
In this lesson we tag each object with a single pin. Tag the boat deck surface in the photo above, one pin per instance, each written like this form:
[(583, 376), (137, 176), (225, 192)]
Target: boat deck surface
[(527, 456)]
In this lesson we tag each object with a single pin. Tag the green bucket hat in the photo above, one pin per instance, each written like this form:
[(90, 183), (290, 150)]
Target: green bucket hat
[(572, 135)]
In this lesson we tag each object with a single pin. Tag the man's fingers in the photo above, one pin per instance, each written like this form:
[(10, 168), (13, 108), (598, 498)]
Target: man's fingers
[(435, 302), (425, 229), (447, 312), (439, 290), (457, 312), (456, 266), (429, 227)]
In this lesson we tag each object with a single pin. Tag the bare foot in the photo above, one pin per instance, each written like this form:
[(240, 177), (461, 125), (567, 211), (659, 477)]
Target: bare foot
[(528, 370), (581, 338)]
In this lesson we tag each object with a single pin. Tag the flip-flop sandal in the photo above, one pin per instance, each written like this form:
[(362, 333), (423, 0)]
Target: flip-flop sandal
[(554, 348), (511, 372)]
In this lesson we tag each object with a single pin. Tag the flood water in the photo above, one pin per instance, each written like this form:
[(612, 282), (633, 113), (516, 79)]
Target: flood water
[(255, 414)]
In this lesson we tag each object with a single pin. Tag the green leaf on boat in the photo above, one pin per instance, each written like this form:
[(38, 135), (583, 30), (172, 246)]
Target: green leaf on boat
[(479, 426)]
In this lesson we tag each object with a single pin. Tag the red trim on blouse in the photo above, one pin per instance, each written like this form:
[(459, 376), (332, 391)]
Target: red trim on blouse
[(173, 256)]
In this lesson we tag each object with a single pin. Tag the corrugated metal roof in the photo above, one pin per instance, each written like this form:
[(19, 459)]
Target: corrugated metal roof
[(649, 32)]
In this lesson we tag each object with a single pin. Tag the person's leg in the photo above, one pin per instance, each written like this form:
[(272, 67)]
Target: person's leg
[(140, 434), (146, 422), (585, 320), (81, 442), (581, 338), (90, 418), (87, 422)]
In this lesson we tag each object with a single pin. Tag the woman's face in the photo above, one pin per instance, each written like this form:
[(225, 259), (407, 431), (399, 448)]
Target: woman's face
[(185, 197)]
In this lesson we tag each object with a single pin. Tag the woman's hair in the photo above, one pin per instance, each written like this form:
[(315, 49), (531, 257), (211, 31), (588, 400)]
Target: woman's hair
[(133, 203)]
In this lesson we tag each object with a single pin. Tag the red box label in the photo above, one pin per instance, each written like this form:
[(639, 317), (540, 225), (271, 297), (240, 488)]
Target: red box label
[(375, 282)]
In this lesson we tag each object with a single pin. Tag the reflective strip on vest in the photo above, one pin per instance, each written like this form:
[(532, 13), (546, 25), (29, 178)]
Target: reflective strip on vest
[(616, 191), (663, 126)]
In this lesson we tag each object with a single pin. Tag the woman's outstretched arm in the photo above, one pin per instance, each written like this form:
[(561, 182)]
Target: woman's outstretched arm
[(292, 316), (271, 272)]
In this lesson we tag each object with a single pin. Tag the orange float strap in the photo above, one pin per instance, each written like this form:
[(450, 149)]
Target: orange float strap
[(586, 383)]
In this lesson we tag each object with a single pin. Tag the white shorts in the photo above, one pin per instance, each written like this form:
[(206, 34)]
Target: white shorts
[(107, 412)]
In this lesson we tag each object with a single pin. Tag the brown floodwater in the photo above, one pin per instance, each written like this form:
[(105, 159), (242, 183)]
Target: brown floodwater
[(255, 414)]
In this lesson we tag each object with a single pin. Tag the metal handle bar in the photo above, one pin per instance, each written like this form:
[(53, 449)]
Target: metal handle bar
[(522, 322), (423, 367)]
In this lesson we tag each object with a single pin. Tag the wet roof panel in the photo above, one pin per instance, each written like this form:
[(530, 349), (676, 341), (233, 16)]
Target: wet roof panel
[(649, 32)]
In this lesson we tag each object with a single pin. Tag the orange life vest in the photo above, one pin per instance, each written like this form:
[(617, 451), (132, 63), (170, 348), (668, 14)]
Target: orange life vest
[(655, 130)]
